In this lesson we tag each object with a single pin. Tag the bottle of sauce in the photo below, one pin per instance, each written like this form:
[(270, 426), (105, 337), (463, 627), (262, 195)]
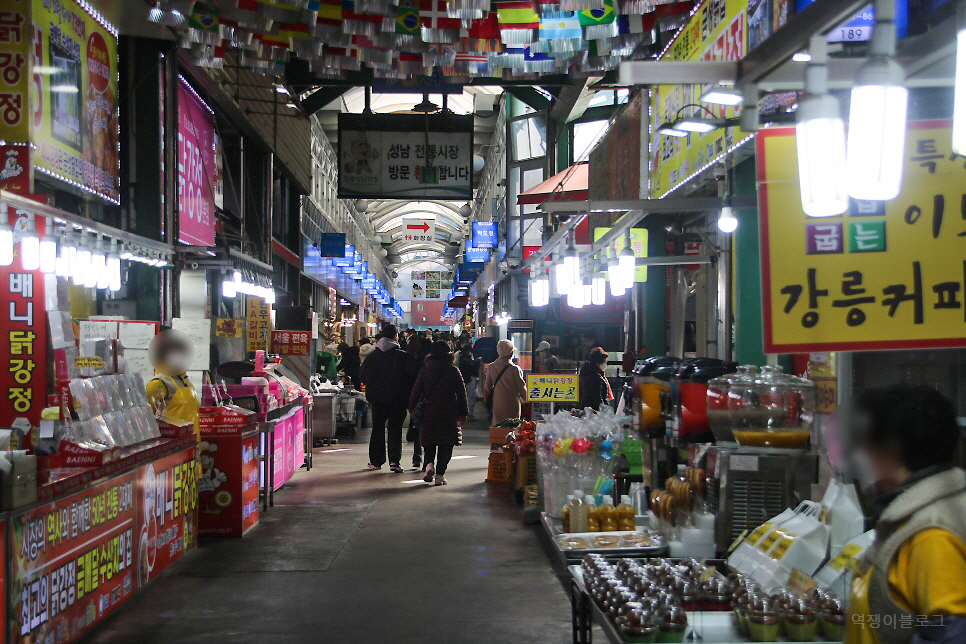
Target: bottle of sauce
[(626, 514), (565, 514), (578, 513), (607, 514), (593, 514)]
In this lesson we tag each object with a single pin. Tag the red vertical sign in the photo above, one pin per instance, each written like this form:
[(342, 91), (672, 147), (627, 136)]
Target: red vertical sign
[(167, 513), (23, 343), (196, 169)]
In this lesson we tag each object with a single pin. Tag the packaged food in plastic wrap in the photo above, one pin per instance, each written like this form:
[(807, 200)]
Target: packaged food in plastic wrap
[(86, 402)]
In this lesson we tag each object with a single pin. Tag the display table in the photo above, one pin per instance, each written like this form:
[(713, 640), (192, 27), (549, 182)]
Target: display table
[(709, 627), (552, 529), (282, 449), (76, 557)]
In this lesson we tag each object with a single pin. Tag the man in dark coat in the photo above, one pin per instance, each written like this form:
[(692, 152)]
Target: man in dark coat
[(443, 411), (389, 374)]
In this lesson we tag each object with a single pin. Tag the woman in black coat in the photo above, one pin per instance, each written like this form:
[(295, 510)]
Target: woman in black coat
[(594, 390), (444, 411), (350, 363)]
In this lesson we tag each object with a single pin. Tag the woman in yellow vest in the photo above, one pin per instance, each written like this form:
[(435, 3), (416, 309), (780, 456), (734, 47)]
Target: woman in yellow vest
[(910, 585), (171, 353)]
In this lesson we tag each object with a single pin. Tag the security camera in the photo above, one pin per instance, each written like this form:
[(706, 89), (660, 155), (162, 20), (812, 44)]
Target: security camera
[(719, 172)]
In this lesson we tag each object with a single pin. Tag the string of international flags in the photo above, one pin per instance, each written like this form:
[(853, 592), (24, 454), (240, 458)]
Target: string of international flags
[(404, 38)]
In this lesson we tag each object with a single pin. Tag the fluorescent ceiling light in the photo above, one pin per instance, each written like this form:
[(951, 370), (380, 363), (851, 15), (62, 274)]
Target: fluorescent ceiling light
[(47, 69), (700, 125), (802, 57), (722, 96), (668, 129)]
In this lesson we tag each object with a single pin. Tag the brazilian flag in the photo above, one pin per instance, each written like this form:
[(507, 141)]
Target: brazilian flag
[(203, 22), (407, 18), (604, 16)]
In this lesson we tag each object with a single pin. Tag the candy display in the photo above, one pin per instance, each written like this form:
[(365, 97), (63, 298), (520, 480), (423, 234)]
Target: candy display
[(577, 454)]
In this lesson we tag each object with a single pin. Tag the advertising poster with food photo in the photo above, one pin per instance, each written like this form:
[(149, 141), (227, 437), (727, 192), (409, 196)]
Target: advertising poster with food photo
[(73, 97), (168, 496)]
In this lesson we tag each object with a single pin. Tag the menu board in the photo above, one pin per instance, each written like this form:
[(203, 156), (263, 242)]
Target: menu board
[(259, 324), (72, 562), (74, 110)]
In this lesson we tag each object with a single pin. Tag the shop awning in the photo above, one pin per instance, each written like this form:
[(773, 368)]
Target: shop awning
[(458, 302), (568, 185)]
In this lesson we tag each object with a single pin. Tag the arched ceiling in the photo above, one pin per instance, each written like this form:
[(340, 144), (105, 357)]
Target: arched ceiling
[(387, 217)]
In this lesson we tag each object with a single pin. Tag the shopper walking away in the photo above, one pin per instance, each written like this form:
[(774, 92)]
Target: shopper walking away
[(908, 586), (350, 363), (594, 390), (469, 366), (505, 386), (548, 362), (389, 374), (365, 348), (439, 400)]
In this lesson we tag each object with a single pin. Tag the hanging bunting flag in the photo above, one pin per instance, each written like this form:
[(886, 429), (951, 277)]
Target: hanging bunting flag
[(341, 57), (518, 21), (439, 54), (596, 60), (372, 54), (241, 11), (514, 57), (561, 33), (467, 9), (278, 11), (538, 62), (359, 23), (406, 28), (410, 63), (435, 24), (204, 28), (471, 62), (599, 23), (581, 5), (328, 23), (483, 35), (381, 7)]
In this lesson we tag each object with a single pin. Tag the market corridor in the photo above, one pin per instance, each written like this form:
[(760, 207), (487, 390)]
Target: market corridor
[(348, 555)]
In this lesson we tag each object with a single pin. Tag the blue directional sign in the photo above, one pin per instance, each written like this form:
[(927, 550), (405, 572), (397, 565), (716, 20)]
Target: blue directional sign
[(485, 234)]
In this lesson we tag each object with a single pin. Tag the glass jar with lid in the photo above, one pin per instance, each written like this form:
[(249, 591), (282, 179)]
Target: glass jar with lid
[(772, 410), (717, 404)]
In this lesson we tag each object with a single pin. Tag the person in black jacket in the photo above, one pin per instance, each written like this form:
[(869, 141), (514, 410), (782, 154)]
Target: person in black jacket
[(389, 374), (350, 363), (594, 390)]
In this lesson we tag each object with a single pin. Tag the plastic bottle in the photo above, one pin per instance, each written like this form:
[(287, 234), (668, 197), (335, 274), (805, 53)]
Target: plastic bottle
[(608, 515), (565, 513), (626, 514), (593, 514), (578, 513)]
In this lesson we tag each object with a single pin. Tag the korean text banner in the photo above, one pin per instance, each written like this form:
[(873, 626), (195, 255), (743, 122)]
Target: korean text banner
[(73, 562), (715, 32), (15, 78), (75, 116), (885, 275), (385, 156), (196, 169)]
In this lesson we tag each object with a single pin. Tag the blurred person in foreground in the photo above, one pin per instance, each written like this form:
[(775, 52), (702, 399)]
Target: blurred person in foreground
[(389, 374), (443, 393), (910, 584), (505, 388)]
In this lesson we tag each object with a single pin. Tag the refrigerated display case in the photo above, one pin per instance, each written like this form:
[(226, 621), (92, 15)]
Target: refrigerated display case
[(520, 333)]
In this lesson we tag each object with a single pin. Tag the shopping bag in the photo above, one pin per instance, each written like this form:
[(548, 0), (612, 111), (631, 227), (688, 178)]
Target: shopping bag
[(836, 575), (843, 514), (746, 556), (799, 543)]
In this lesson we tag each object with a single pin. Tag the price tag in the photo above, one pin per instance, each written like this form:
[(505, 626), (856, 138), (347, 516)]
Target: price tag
[(94, 362), (800, 582)]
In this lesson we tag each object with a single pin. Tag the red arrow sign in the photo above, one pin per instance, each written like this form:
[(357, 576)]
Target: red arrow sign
[(423, 226)]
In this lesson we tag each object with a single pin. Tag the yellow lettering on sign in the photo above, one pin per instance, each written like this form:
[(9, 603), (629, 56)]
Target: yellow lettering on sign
[(552, 388)]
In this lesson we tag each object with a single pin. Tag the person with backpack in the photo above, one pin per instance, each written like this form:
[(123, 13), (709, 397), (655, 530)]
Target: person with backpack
[(438, 404), (469, 366), (504, 389), (389, 374)]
